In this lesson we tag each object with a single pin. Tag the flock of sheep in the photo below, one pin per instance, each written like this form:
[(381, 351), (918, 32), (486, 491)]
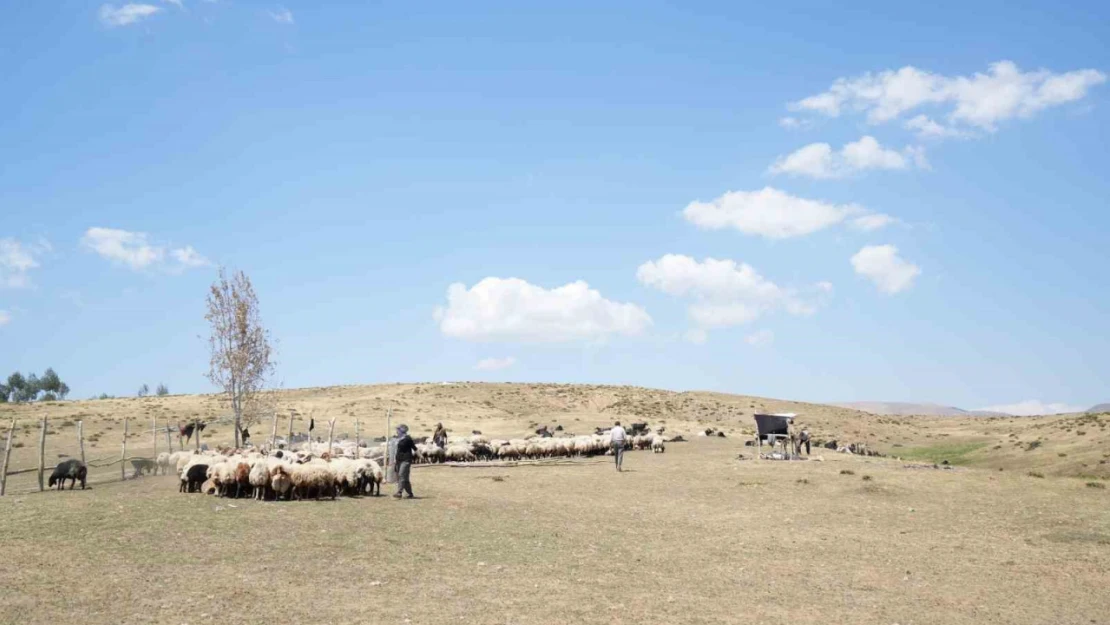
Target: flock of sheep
[(316, 471)]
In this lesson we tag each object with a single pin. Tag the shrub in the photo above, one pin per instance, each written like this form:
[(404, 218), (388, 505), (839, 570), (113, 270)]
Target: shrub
[(162, 390), (847, 472), (866, 478), (1035, 474), (1032, 445), (1096, 485)]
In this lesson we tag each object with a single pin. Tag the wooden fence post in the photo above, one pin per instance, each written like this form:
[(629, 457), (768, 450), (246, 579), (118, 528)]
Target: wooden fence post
[(7, 456), (358, 454), (289, 440), (169, 444), (81, 439), (42, 454), (196, 433), (154, 437), (123, 453), (331, 430), (273, 434), (180, 439)]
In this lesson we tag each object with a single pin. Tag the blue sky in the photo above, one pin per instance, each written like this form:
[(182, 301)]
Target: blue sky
[(790, 200)]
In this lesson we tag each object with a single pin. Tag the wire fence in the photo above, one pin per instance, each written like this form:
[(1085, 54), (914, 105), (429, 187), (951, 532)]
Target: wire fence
[(139, 449)]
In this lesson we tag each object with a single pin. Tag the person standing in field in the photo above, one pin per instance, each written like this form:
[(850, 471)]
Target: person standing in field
[(617, 439), (406, 452), (439, 437)]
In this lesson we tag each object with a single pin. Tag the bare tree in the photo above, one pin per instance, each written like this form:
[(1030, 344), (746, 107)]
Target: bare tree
[(240, 347)]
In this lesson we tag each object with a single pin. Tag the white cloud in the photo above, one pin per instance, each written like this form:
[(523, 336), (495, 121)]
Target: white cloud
[(188, 257), (980, 101), (18, 259), (135, 250), (874, 221), (927, 128), (1033, 407), (769, 212), (511, 309), (121, 246), (724, 293), (697, 336), (5, 318), (493, 364), (177, 3), (112, 16), (282, 16), (882, 265), (760, 338), (818, 160), (794, 123)]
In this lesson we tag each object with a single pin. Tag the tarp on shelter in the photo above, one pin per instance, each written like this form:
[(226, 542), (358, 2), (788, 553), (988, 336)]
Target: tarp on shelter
[(778, 424)]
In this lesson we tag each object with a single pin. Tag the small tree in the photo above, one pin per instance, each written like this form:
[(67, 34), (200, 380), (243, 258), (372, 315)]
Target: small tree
[(31, 388), (144, 390), (16, 386), (162, 390), (63, 390), (4, 392), (240, 349)]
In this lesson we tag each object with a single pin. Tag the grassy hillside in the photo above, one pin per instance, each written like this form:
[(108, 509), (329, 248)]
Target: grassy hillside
[(1060, 445)]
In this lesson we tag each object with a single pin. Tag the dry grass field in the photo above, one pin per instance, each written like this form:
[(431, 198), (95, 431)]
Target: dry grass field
[(691, 536)]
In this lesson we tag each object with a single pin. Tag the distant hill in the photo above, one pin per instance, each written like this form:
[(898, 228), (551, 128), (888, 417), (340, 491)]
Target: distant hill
[(896, 408), (1099, 408)]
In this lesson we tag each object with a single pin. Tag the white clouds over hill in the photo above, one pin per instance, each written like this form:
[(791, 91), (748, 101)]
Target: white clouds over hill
[(511, 309), (724, 293)]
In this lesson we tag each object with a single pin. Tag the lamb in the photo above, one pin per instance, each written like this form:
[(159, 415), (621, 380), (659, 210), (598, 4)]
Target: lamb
[(69, 470), (657, 445), (163, 462), (370, 476), (193, 477)]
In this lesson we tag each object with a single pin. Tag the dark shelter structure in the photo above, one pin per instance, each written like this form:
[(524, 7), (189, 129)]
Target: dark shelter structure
[(773, 428)]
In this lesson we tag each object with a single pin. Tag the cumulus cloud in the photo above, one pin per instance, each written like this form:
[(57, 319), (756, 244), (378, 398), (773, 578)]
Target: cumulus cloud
[(188, 257), (818, 160), (5, 318), (980, 101), (882, 265), (874, 221), (282, 16), (794, 123), (1033, 407), (493, 364), (769, 213), (136, 251), (724, 293), (112, 16), (511, 309), (17, 259), (760, 338)]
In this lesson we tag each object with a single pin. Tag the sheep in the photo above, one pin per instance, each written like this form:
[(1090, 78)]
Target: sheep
[(346, 476), (72, 470), (281, 482), (657, 445), (193, 477), (163, 462), (369, 476), (259, 479), (313, 478)]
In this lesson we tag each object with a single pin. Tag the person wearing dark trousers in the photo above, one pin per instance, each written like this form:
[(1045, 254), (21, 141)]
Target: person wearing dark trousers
[(406, 452), (617, 439), (803, 439)]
